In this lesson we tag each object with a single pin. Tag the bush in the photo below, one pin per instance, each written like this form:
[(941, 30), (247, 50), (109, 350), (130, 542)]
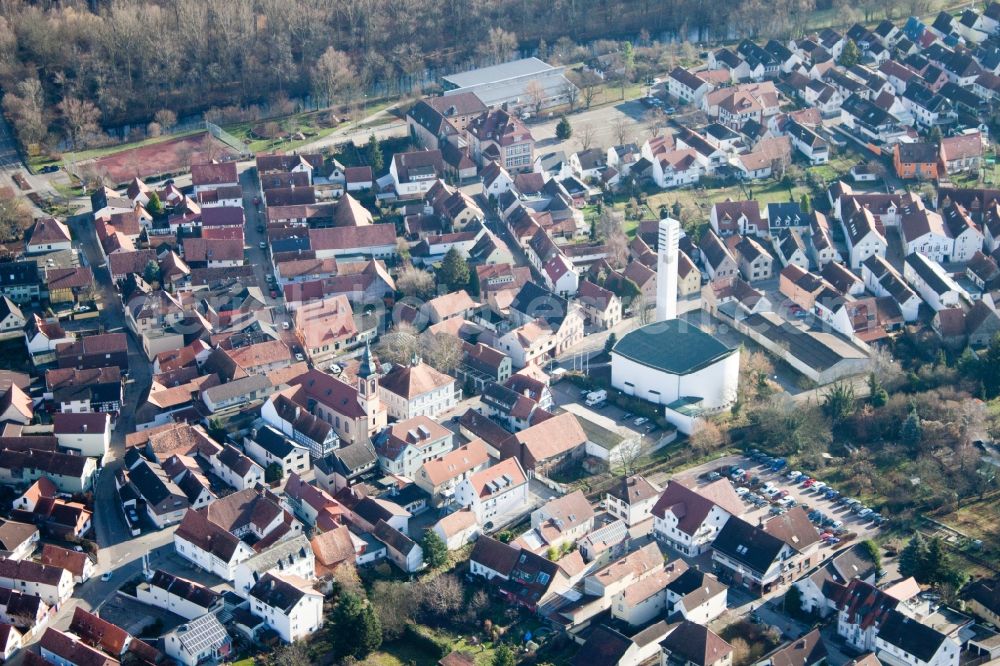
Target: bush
[(425, 642)]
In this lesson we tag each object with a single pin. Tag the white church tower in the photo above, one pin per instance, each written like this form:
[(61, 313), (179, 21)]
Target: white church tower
[(666, 269)]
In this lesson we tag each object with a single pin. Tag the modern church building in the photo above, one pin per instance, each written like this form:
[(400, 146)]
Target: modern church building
[(671, 362)]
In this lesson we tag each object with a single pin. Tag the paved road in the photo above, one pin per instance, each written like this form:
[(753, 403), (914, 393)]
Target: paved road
[(257, 257), (119, 552)]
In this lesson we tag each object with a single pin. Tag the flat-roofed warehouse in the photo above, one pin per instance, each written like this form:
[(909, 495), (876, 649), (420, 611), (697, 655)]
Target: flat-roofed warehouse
[(823, 356), (511, 83)]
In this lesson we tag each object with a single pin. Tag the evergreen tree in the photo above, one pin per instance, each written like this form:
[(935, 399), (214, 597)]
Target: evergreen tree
[(273, 473), (355, 629), (155, 206), (911, 432), (914, 557), (435, 549), (850, 55), (936, 562), (504, 656), (454, 271), (805, 203), (988, 369), (563, 129), (610, 342), (878, 396), (375, 155), (151, 273)]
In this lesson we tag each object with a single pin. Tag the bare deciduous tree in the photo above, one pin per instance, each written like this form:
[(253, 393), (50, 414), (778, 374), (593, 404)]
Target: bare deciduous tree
[(500, 44), (572, 94), (26, 108), (627, 455), (443, 595), (399, 345), (166, 118), (536, 93), (442, 351), (706, 437), (655, 121), (586, 136), (413, 281), (333, 75), (80, 119), (621, 127)]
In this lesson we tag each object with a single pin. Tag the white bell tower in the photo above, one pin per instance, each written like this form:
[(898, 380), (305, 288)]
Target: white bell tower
[(666, 268)]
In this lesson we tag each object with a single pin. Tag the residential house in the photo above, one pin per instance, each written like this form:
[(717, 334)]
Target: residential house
[(885, 281), (499, 136), (689, 519), (267, 446), (755, 262), (632, 499), (494, 494), (719, 261), (178, 595), (934, 285), (915, 161), (404, 552), (440, 476), (417, 390), (963, 152), (737, 217), (198, 640), (213, 537), (288, 605), (53, 585), (404, 447), (692, 644), (548, 445)]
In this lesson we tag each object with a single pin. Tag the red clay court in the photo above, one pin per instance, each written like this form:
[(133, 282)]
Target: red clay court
[(162, 158)]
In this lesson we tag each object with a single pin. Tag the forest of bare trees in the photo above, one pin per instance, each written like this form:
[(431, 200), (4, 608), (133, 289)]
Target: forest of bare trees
[(67, 66)]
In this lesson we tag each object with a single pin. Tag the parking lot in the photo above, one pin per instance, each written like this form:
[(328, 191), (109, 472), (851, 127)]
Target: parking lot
[(767, 491), (571, 398)]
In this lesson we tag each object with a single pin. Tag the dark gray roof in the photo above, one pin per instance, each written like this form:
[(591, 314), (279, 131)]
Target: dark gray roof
[(274, 442), (913, 637), (19, 273), (277, 593), (393, 538), (674, 346), (537, 302), (750, 545)]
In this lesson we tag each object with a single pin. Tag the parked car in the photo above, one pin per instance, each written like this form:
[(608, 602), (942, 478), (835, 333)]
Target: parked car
[(262, 245), (794, 474), (777, 511), (50, 168), (640, 421), (714, 476), (781, 494), (743, 492), (864, 513), (819, 486), (808, 483)]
